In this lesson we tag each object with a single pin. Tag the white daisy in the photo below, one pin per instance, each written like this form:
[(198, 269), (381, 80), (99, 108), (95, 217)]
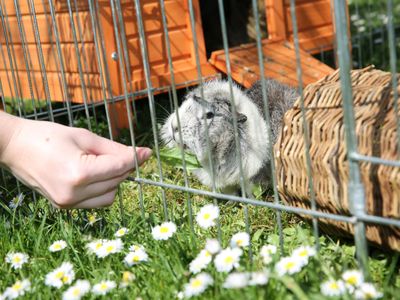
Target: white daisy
[(267, 252), (92, 218), (136, 247), (198, 285), (58, 246), (93, 247), (135, 257), (17, 289), (236, 280), (352, 279), (202, 260), (103, 287), (213, 246), (180, 295), (367, 291), (259, 278), (333, 288), (77, 291), (240, 239), (127, 278), (17, 259), (121, 232), (303, 253), (288, 265), (60, 276), (207, 216), (163, 231), (109, 247), (227, 259)]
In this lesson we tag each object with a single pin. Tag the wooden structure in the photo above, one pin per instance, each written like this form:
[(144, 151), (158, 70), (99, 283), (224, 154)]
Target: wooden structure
[(315, 32), (180, 35), (376, 132)]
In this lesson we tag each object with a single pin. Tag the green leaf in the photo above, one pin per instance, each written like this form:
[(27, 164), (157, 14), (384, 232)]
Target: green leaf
[(256, 236), (289, 231), (173, 157)]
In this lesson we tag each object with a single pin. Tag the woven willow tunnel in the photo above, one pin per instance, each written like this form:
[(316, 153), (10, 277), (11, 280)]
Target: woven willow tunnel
[(376, 134)]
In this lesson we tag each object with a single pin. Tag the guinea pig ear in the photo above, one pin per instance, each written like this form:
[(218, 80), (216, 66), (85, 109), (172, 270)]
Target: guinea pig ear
[(241, 118)]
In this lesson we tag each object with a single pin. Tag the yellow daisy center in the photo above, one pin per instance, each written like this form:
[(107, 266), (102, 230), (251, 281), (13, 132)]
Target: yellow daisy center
[(126, 276), (239, 242), (76, 292), (289, 265), (65, 279), (333, 286), (92, 219), (17, 259), (228, 260), (103, 286), (121, 231), (60, 274), (98, 245), (352, 280), (164, 229), (303, 253), (110, 248), (136, 258), (207, 216), (57, 246), (196, 283), (17, 286)]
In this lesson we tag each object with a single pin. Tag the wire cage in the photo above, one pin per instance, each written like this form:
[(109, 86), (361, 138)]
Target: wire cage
[(64, 58)]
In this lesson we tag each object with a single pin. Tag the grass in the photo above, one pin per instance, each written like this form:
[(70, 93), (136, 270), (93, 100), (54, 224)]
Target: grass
[(33, 226)]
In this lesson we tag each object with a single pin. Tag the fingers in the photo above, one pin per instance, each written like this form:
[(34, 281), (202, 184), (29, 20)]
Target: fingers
[(97, 202), (97, 168)]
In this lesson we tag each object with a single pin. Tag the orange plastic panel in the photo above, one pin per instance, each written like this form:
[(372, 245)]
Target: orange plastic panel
[(314, 21), (279, 63)]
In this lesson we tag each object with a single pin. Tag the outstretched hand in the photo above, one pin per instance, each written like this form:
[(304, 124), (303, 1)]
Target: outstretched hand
[(72, 167)]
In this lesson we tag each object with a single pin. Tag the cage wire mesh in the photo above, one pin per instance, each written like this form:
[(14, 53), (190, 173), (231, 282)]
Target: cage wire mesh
[(35, 63)]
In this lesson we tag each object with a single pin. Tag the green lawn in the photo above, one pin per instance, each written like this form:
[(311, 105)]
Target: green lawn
[(33, 227)]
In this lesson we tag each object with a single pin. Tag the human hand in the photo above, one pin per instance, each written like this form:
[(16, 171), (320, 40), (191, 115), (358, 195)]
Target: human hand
[(72, 167)]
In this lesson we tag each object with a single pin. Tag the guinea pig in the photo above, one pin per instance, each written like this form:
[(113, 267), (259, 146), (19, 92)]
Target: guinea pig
[(210, 113)]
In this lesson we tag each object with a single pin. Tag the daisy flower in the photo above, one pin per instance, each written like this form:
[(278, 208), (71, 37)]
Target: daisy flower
[(93, 247), (259, 278), (135, 257), (367, 291), (109, 247), (57, 246), (17, 259), (213, 246), (200, 262), (227, 259), (60, 276), (236, 280), (77, 291), (352, 279), (267, 252), (240, 239), (303, 253), (332, 288), (198, 285), (17, 289), (288, 265), (207, 216), (163, 231), (136, 247), (92, 218), (103, 287), (127, 278), (121, 232)]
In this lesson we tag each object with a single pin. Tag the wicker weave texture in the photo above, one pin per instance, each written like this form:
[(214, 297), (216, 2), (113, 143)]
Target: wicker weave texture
[(376, 133)]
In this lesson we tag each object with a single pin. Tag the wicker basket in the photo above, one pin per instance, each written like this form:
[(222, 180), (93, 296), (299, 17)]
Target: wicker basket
[(376, 133)]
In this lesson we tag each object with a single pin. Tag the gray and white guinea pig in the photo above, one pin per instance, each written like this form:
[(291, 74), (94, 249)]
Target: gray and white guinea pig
[(213, 110)]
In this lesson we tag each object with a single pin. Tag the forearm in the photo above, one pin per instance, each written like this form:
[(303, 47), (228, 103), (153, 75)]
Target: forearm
[(9, 126)]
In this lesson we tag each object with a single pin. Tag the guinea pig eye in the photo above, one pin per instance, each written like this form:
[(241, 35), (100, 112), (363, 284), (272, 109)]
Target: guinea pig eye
[(209, 115)]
